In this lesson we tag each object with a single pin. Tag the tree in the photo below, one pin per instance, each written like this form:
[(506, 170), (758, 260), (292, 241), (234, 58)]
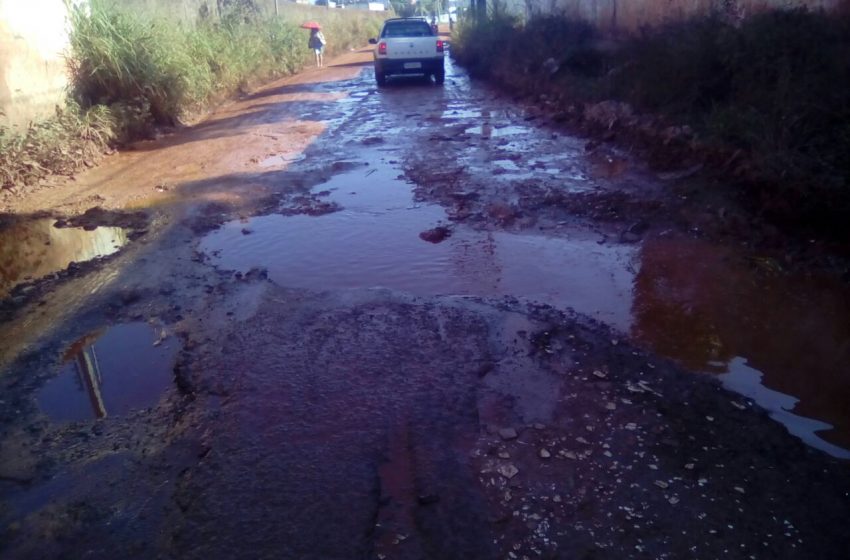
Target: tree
[(407, 8)]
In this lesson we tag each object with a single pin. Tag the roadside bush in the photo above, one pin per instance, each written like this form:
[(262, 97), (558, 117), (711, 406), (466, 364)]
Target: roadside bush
[(776, 87), (71, 139)]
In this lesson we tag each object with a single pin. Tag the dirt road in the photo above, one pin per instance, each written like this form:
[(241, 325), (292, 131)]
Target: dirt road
[(333, 321)]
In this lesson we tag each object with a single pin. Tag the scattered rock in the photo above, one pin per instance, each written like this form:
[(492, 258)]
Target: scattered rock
[(507, 433), (507, 470), (544, 454), (661, 484)]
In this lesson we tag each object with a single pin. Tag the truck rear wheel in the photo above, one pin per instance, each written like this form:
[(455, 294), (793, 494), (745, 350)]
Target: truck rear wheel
[(440, 76), (380, 78)]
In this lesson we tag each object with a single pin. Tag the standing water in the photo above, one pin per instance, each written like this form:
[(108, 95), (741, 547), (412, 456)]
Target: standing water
[(110, 373), (374, 242), (35, 249)]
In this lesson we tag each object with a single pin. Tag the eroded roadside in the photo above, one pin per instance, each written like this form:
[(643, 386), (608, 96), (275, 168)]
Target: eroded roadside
[(461, 410)]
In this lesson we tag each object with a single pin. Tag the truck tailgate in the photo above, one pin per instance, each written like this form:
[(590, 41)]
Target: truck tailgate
[(412, 47)]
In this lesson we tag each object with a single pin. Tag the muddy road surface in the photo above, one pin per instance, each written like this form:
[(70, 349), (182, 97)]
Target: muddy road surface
[(337, 321)]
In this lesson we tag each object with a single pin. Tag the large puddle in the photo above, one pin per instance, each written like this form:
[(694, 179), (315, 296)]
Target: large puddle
[(34, 249), (374, 242), (784, 342), (110, 373)]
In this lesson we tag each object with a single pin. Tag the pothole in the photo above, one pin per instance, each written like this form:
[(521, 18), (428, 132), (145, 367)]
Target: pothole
[(110, 373), (374, 241)]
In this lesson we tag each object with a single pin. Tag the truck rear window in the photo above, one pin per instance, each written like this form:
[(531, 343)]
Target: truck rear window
[(407, 29)]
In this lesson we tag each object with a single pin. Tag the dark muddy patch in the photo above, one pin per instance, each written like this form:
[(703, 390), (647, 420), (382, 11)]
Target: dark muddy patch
[(110, 373), (94, 218)]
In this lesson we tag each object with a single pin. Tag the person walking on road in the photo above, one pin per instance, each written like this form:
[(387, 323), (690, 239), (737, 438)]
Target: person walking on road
[(317, 42)]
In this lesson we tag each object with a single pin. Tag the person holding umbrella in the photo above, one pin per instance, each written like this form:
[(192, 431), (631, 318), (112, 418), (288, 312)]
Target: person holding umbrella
[(317, 41)]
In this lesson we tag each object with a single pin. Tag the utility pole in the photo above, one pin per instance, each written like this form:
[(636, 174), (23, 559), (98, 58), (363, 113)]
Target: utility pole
[(276, 10), (479, 9)]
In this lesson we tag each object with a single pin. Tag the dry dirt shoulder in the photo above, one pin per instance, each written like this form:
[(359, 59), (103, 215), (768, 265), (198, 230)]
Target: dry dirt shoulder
[(237, 139)]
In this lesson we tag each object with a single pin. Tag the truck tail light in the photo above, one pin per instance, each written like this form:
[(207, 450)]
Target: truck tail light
[(382, 48), (440, 45)]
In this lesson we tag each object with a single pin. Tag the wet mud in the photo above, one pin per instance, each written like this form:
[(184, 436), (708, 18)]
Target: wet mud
[(429, 327)]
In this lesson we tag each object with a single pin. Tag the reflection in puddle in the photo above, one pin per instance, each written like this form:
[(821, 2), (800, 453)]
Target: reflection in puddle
[(709, 308), (35, 249), (374, 241), (747, 381), (110, 373)]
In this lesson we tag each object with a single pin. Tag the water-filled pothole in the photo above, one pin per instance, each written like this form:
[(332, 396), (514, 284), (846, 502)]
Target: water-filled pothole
[(780, 339), (34, 249), (686, 299), (110, 373), (374, 242)]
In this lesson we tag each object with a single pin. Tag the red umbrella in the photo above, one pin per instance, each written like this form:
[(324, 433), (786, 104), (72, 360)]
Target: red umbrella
[(311, 25)]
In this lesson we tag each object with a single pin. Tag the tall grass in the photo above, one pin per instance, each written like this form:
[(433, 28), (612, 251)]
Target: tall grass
[(131, 72), (776, 88), (161, 67)]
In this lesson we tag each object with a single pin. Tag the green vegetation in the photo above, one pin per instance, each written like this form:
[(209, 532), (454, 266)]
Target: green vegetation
[(152, 70), (776, 88), (131, 73)]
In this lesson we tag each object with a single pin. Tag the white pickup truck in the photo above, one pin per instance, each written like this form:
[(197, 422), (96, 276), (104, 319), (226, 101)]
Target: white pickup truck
[(408, 46)]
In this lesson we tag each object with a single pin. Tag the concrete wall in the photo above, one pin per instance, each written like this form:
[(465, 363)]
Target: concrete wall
[(630, 15), (33, 36)]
